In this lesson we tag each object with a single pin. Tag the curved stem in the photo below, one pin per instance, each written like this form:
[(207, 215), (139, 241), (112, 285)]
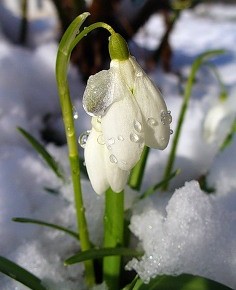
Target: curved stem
[(69, 40), (187, 94)]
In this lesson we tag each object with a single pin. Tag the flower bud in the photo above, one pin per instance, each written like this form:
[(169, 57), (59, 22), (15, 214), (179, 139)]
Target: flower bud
[(118, 47)]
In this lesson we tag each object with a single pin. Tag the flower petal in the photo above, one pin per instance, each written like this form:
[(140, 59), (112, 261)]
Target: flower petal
[(218, 122), (156, 118), (95, 163), (123, 131), (98, 93), (117, 177)]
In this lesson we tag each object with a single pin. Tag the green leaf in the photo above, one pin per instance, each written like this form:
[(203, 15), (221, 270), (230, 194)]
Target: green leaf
[(43, 153), (181, 282), (42, 223), (101, 253), (153, 188), (20, 274)]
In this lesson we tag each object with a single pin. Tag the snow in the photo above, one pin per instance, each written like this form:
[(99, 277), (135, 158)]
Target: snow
[(190, 237), (188, 231)]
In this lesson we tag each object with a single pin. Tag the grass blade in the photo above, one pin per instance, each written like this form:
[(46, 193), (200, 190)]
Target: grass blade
[(181, 282), (53, 164), (101, 253), (20, 274), (42, 223), (153, 188)]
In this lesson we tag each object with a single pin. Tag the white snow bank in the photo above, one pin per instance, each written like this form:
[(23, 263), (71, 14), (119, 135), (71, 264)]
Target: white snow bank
[(196, 235)]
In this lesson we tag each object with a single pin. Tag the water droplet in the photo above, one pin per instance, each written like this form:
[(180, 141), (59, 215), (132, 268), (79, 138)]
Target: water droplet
[(120, 138), (70, 132), (152, 122), (134, 138), (101, 140), (139, 74), (111, 141), (99, 120), (109, 147), (83, 138), (113, 159), (163, 117), (171, 131), (138, 126), (98, 94), (169, 117), (75, 113), (162, 138)]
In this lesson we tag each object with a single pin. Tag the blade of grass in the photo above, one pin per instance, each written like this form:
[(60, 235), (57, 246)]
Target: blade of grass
[(53, 164), (201, 59), (101, 253), (181, 282), (42, 223), (153, 188), (20, 274)]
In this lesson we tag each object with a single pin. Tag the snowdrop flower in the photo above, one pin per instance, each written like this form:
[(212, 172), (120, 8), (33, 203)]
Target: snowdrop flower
[(219, 120), (127, 112)]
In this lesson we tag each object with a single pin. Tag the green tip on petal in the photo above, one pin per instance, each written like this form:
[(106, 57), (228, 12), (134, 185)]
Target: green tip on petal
[(118, 47)]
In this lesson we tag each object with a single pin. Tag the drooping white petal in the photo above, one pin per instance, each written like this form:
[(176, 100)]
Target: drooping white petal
[(117, 177), (218, 122), (98, 94), (156, 118), (95, 163), (123, 131), (125, 70)]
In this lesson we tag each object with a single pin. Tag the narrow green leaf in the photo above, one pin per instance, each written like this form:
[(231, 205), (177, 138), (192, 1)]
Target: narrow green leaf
[(181, 282), (101, 253), (153, 188), (20, 274), (42, 223), (43, 153)]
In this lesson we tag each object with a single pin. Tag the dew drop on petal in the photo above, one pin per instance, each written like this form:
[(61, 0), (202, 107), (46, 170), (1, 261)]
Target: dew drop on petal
[(171, 131), (120, 138), (163, 117), (101, 140), (113, 159), (134, 138), (169, 117), (139, 74), (111, 141), (83, 138), (152, 122), (109, 147), (138, 126), (98, 94)]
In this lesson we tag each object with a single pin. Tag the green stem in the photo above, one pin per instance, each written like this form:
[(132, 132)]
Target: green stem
[(24, 22), (69, 40), (137, 173), (113, 236), (63, 57), (187, 94)]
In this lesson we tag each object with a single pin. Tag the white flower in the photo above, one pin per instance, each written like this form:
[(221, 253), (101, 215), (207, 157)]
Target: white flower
[(101, 164), (128, 112), (219, 120)]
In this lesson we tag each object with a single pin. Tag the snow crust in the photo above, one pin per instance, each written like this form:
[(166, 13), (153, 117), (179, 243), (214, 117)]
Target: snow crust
[(193, 235), (189, 232)]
